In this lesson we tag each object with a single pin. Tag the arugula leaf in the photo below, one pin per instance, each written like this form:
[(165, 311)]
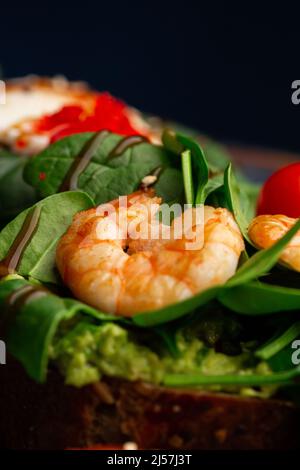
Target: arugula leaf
[(15, 194), (104, 178), (38, 258), (31, 331)]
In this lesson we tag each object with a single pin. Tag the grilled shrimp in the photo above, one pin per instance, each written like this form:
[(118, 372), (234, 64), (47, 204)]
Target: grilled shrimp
[(265, 230), (126, 275)]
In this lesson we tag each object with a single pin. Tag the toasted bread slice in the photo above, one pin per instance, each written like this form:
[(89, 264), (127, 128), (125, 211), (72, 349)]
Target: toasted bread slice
[(56, 416)]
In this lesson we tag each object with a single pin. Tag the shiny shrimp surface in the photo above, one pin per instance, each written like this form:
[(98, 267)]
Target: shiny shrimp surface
[(126, 275), (265, 230)]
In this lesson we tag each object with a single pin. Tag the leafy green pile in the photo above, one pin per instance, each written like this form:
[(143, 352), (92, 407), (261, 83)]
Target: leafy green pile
[(187, 173)]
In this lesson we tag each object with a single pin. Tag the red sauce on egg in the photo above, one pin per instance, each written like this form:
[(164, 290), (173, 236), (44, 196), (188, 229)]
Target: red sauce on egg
[(106, 113)]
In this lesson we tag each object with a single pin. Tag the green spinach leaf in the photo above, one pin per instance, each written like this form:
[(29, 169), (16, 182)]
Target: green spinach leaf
[(105, 178), (194, 164), (237, 201), (200, 167), (216, 154), (215, 183), (15, 194), (174, 311), (257, 298), (56, 213), (170, 186), (32, 329)]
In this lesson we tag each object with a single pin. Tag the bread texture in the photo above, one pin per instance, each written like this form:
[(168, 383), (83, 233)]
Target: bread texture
[(56, 416)]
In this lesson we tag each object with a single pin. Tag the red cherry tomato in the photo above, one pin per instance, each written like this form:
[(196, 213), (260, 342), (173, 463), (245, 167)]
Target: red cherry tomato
[(281, 193)]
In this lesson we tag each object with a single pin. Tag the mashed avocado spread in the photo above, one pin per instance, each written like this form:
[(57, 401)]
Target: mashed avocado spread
[(88, 351)]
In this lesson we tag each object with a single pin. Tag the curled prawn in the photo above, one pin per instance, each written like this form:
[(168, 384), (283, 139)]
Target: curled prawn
[(265, 230), (126, 275)]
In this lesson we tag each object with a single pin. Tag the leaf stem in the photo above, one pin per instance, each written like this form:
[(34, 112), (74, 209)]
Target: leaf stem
[(270, 349), (182, 380), (186, 161)]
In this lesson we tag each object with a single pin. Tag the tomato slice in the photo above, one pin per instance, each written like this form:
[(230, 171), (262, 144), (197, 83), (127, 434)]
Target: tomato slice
[(281, 192)]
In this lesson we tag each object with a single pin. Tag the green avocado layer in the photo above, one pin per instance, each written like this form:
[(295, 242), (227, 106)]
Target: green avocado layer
[(89, 351)]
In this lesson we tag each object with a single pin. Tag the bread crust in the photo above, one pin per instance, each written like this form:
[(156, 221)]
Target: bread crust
[(56, 416)]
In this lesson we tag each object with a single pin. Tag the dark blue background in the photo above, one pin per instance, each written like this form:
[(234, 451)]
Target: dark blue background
[(224, 72)]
